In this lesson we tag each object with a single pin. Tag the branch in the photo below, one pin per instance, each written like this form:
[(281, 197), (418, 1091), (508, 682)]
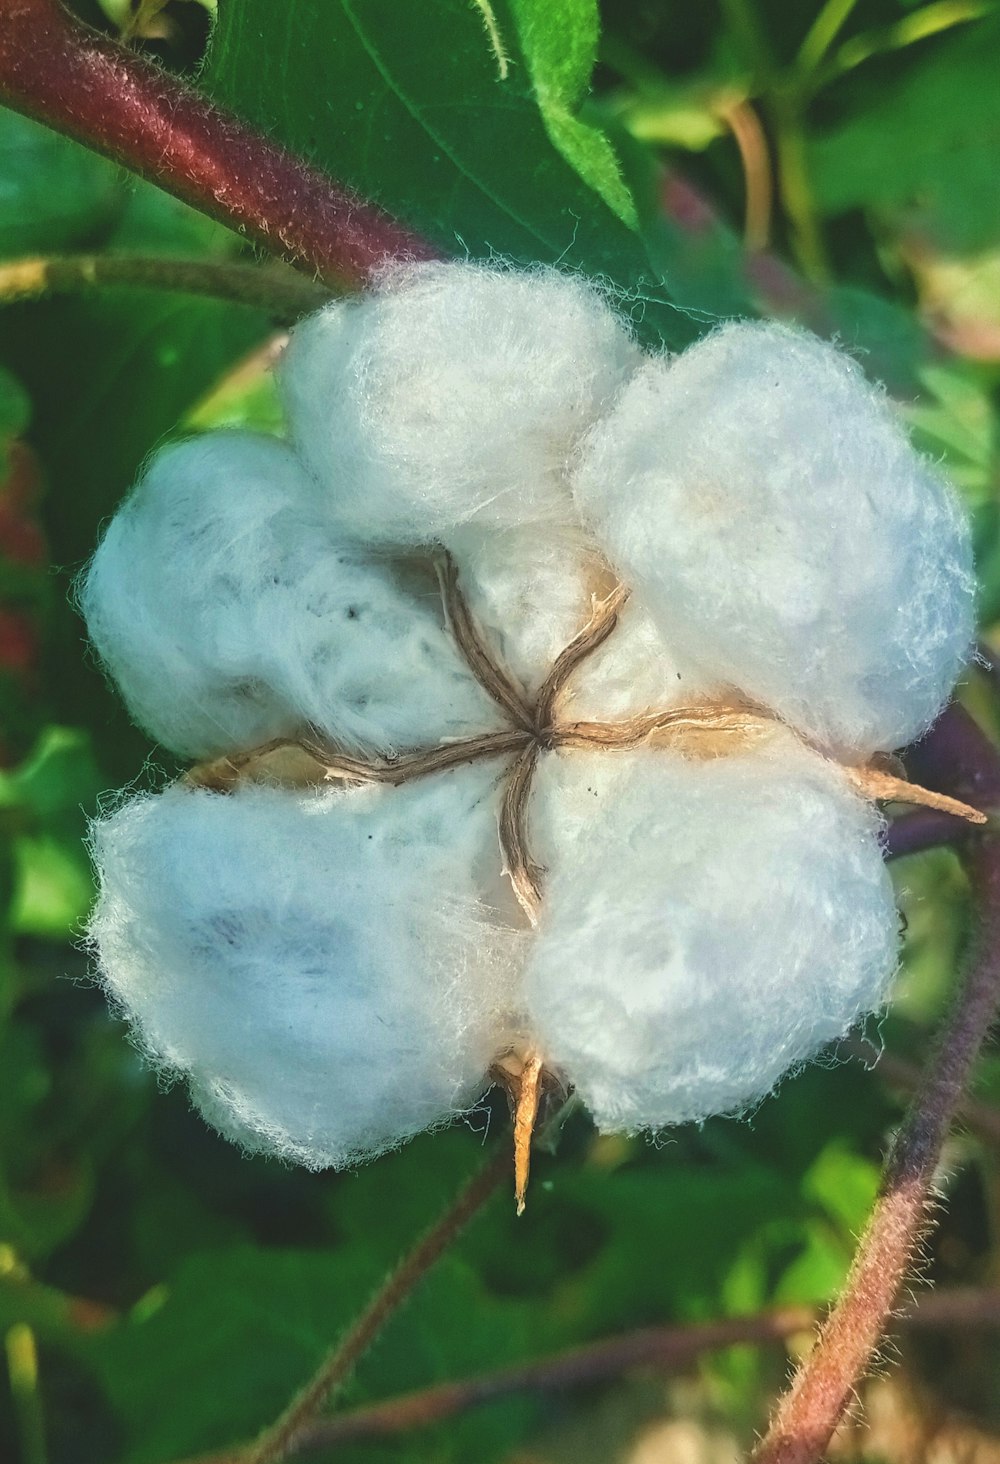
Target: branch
[(898, 1072), (825, 1383), (282, 292), (281, 1437), (664, 1348), (64, 74)]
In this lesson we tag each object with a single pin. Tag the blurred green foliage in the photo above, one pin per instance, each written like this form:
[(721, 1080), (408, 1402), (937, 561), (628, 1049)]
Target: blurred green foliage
[(177, 1291)]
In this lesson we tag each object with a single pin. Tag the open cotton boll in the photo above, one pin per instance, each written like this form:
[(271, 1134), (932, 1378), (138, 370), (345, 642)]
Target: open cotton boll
[(530, 593), (229, 614), (711, 925), (762, 497), (452, 392), (322, 968)]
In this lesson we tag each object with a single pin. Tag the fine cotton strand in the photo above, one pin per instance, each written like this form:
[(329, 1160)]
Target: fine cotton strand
[(761, 497), (711, 925), (322, 968), (228, 614), (452, 393)]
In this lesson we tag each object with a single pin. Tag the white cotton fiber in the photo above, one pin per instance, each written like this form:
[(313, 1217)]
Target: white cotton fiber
[(763, 499), (322, 968), (636, 670), (530, 593), (228, 614), (707, 926), (453, 392)]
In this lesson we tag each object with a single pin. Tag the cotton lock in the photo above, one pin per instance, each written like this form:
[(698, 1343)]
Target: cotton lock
[(536, 686)]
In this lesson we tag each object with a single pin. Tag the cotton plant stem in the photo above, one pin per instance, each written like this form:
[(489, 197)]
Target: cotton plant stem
[(982, 1118), (278, 1440), (825, 1383), (71, 78), (663, 1348), (282, 292)]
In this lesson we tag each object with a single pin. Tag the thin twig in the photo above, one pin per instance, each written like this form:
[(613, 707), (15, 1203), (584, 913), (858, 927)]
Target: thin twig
[(824, 1385), (281, 291), (758, 187), (664, 1348), (79, 82), (276, 1441)]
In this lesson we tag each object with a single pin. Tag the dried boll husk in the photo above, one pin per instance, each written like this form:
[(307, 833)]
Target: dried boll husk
[(763, 501), (327, 970), (452, 393), (228, 614), (707, 927)]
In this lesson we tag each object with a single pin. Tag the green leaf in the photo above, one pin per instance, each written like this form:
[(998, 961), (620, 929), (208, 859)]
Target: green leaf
[(926, 143), (46, 798), (221, 1348), (15, 408), (467, 131), (54, 194), (560, 46)]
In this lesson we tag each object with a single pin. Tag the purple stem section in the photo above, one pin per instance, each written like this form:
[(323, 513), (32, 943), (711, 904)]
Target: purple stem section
[(78, 82)]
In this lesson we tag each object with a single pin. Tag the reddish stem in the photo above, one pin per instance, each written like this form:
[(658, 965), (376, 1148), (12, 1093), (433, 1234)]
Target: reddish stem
[(826, 1382), (69, 77)]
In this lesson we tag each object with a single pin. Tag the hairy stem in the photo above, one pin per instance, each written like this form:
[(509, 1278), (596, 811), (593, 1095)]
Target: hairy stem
[(282, 292), (664, 1348), (279, 1439), (982, 1118), (59, 71), (824, 1385)]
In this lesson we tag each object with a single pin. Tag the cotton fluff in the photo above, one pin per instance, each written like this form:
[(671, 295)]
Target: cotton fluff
[(707, 926), (452, 393), (228, 613), (322, 968), (334, 971), (530, 593), (760, 495)]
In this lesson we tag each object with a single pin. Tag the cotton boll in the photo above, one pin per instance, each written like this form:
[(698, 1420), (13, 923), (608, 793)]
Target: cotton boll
[(229, 614), (710, 925), (323, 969), (453, 392), (761, 496), (530, 593)]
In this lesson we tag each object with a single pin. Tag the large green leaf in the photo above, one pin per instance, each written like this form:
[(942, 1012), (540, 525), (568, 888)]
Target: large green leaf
[(54, 194), (459, 118), (218, 1351), (927, 144)]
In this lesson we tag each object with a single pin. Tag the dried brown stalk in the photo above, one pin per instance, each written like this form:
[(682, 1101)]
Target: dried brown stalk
[(299, 763), (524, 874), (600, 625), (484, 666), (825, 1384)]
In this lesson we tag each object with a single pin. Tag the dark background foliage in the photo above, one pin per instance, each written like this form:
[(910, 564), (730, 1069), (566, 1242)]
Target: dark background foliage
[(176, 1291)]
